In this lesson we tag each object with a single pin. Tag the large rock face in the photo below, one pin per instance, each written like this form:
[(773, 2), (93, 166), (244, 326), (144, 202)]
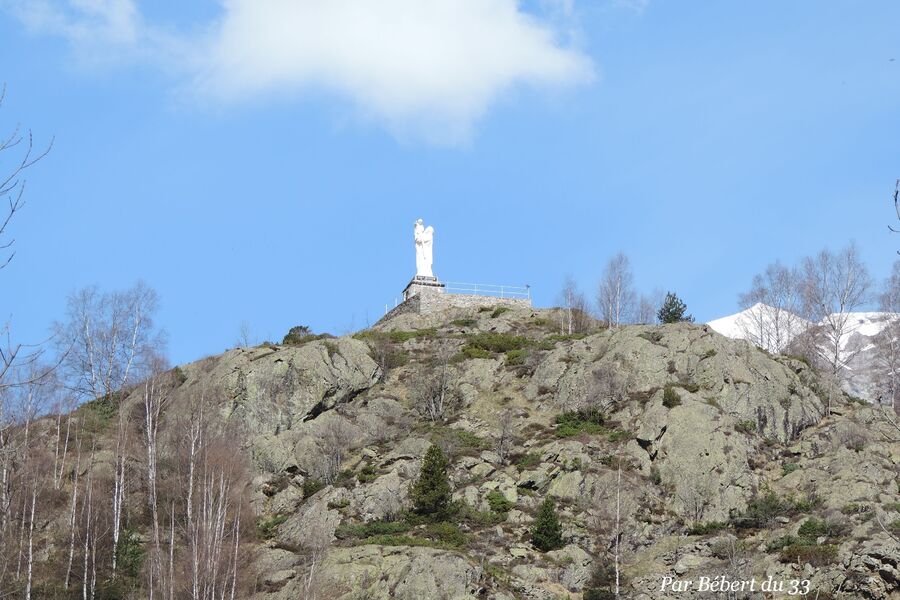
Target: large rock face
[(274, 391), (697, 429)]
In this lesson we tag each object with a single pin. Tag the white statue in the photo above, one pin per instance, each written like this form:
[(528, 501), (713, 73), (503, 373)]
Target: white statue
[(424, 237)]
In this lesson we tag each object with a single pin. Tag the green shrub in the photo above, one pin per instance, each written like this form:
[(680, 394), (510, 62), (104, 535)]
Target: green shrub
[(747, 427), (573, 423), (311, 485), (499, 311), (601, 584), (470, 441), (367, 474), (396, 540), (620, 435), (671, 399), (431, 492), (178, 376), (98, 414), (458, 441), (516, 357), (464, 322), (498, 502), (267, 528), (813, 528), (301, 334), (708, 354), (762, 511), (461, 512), (789, 468), (497, 342), (527, 461), (804, 505), (446, 534), (654, 337), (472, 352), (546, 533), (707, 528), (375, 528), (815, 555), (655, 476), (854, 509), (781, 543)]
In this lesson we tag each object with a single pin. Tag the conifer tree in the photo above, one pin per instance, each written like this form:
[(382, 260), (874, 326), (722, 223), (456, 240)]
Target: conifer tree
[(546, 534), (431, 493), (673, 310)]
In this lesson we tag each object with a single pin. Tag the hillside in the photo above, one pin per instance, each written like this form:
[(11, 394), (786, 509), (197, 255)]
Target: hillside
[(864, 344), (713, 456)]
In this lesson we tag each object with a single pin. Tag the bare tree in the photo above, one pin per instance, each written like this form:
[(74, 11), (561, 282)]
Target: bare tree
[(607, 388), (315, 547), (435, 394), (773, 305), (338, 437), (505, 433), (647, 307), (896, 205), (889, 342), (572, 300), (109, 340), (615, 292), (156, 397), (12, 183), (211, 482), (833, 287), (14, 356), (245, 335)]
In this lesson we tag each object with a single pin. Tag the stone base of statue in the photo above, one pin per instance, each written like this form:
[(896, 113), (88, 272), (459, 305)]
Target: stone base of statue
[(421, 285)]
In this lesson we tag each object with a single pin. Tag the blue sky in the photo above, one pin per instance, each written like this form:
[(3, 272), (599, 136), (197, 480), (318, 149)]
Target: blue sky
[(273, 178)]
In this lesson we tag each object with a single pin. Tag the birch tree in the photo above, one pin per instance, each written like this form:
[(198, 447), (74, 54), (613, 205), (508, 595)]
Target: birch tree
[(615, 291), (889, 342), (572, 301), (833, 287), (110, 341), (774, 303), (155, 398)]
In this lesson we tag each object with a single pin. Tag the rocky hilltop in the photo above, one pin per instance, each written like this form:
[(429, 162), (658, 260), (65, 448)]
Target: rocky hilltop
[(669, 450)]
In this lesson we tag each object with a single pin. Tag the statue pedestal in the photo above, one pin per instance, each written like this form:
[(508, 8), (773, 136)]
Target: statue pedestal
[(423, 286)]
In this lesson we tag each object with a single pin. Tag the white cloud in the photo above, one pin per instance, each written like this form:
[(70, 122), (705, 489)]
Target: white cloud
[(101, 32), (430, 66)]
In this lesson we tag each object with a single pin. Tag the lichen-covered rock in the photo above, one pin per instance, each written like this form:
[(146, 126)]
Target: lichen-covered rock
[(383, 573)]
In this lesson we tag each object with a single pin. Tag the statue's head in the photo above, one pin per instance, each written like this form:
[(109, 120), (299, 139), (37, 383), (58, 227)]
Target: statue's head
[(419, 222)]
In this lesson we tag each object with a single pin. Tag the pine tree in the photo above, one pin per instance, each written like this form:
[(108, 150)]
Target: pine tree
[(546, 534), (431, 493), (672, 310)]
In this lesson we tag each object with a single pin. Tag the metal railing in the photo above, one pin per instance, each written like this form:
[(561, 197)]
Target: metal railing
[(488, 289)]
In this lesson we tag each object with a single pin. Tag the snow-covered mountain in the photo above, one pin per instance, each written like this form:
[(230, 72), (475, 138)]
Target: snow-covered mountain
[(862, 344), (763, 325)]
